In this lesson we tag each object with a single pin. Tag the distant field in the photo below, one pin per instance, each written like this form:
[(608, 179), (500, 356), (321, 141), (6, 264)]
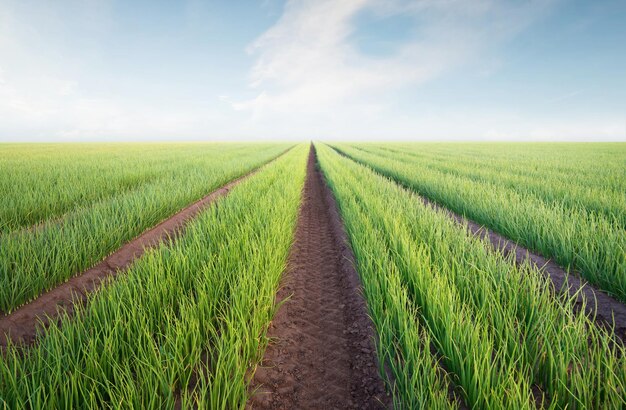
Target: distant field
[(431, 313), (565, 201)]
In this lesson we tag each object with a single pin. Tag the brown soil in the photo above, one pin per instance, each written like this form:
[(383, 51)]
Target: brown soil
[(22, 325), (607, 311), (323, 353)]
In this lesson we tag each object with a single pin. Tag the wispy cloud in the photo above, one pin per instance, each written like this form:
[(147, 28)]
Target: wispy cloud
[(306, 64)]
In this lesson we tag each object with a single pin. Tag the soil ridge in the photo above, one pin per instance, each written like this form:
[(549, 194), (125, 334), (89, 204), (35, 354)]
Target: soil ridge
[(323, 353)]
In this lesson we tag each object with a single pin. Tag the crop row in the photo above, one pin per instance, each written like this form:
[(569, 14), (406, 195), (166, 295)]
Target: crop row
[(571, 163), (573, 237), (43, 182), (187, 321), (501, 337), (32, 261), (586, 187)]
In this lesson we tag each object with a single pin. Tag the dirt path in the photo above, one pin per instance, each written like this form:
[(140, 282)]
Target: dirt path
[(323, 355), (608, 311), (21, 325)]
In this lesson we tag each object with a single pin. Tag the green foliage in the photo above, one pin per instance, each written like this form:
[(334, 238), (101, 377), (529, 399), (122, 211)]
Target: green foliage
[(498, 328), (563, 206), (92, 208), (185, 324)]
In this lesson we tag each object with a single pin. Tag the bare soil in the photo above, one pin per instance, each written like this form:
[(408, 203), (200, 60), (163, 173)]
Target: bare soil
[(22, 325), (323, 354)]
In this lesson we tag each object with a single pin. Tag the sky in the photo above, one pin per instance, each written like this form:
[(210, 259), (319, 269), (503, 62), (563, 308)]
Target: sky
[(385, 70)]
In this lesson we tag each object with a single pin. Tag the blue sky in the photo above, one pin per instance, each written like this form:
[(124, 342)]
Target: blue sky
[(312, 69)]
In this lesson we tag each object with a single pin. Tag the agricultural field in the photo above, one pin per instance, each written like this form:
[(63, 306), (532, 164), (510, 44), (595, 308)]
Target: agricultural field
[(564, 202), (166, 276), (63, 209)]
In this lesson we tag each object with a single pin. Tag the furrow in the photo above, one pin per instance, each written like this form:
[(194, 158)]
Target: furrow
[(323, 355)]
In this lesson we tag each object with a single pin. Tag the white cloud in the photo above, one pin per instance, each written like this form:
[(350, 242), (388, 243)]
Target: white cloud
[(306, 64)]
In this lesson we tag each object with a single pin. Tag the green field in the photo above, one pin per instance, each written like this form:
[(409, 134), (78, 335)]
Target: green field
[(87, 200), (456, 322), (496, 327), (565, 201)]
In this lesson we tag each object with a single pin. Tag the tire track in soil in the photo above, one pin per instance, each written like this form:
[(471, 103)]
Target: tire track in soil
[(322, 353), (604, 309), (21, 326)]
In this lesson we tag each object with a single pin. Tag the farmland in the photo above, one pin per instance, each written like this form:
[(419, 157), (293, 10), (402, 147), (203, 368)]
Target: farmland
[(324, 275), (82, 214), (571, 210)]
